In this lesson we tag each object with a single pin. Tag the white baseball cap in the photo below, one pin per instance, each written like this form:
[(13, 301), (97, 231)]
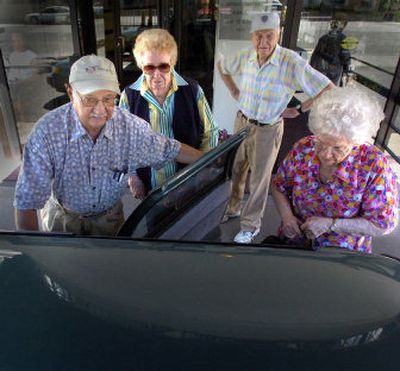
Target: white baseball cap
[(264, 21), (92, 73)]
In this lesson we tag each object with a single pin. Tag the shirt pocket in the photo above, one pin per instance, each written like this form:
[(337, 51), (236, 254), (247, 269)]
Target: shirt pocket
[(115, 177)]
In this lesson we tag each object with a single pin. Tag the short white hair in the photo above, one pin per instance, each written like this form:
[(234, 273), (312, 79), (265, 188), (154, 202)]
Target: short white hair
[(348, 112), (155, 39)]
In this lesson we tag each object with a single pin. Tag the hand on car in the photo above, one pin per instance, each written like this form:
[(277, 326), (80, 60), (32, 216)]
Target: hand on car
[(314, 226), (137, 187)]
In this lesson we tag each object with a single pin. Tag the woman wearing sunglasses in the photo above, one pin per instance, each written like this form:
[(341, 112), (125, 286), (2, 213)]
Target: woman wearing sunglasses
[(334, 187), (174, 105)]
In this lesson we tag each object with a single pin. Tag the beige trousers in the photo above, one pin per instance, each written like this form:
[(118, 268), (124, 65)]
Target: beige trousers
[(55, 218), (257, 153)]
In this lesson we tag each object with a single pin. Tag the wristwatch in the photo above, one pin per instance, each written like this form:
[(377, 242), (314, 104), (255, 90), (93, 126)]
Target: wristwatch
[(298, 107)]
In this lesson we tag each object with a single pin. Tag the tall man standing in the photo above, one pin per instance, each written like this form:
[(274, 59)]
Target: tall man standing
[(270, 75)]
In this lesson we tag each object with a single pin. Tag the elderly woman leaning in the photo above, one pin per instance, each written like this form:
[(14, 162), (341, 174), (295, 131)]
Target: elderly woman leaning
[(175, 106), (334, 187)]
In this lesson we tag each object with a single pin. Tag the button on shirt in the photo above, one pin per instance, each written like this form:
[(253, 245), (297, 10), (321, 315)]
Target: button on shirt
[(86, 177), (266, 91), (161, 118)]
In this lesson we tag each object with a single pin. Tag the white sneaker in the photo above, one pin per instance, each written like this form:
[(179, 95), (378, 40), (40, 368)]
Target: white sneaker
[(226, 216), (246, 236)]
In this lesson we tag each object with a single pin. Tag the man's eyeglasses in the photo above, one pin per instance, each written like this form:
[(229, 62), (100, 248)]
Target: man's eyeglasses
[(149, 69), (93, 102)]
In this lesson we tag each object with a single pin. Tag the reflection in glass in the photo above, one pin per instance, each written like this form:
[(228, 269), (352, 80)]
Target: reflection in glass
[(394, 140), (197, 43), (166, 210), (396, 118), (57, 289), (49, 15), (197, 193), (372, 34), (98, 11), (10, 151), (22, 74), (331, 56), (369, 337), (35, 40), (136, 16)]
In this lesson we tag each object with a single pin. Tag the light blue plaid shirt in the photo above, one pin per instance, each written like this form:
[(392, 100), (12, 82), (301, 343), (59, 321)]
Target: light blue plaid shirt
[(266, 91), (60, 158)]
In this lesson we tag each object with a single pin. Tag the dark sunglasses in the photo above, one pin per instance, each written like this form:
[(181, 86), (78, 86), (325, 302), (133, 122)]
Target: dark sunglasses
[(163, 67)]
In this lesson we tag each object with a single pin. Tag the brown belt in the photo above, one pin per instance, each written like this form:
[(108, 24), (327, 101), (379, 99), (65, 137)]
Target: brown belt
[(256, 122)]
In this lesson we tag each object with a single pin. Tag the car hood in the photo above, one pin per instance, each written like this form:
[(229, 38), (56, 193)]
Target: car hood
[(278, 300)]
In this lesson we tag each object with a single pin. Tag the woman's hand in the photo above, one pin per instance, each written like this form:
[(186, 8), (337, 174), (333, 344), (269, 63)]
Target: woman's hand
[(291, 226), (315, 226)]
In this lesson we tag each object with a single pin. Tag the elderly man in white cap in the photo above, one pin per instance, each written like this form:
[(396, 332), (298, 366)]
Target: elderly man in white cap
[(270, 76), (79, 156)]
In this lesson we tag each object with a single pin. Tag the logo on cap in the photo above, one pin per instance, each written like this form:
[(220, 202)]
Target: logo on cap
[(91, 69), (264, 18), (94, 69)]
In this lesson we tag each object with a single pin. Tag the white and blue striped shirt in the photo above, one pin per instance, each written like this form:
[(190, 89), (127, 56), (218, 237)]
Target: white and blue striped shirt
[(161, 118)]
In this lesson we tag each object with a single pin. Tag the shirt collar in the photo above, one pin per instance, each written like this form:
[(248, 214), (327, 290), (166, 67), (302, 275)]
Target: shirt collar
[(79, 131), (108, 128), (342, 171), (141, 85), (273, 59)]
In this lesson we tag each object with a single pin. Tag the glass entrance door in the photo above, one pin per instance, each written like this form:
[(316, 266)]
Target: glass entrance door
[(358, 42), (135, 17), (10, 150), (191, 22), (117, 24), (195, 35)]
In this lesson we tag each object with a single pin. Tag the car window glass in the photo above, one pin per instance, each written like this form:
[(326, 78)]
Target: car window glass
[(166, 203)]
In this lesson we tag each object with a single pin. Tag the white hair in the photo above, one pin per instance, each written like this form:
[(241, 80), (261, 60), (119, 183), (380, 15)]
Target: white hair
[(348, 112)]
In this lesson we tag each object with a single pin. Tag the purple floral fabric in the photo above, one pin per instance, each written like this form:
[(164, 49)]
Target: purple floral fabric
[(362, 186)]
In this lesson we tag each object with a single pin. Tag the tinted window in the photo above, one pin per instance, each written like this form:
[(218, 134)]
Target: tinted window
[(167, 203)]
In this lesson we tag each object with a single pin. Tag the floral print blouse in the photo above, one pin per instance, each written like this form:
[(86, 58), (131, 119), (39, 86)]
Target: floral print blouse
[(362, 186)]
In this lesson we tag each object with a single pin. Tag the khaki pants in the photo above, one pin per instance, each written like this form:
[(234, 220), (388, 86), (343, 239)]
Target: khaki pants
[(55, 218), (257, 153)]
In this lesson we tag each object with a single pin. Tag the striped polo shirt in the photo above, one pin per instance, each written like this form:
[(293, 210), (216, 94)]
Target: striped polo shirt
[(161, 118)]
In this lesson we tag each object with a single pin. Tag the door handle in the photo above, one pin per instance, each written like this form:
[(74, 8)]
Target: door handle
[(121, 42)]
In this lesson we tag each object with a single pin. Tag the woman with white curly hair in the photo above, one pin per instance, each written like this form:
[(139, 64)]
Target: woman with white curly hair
[(334, 187)]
